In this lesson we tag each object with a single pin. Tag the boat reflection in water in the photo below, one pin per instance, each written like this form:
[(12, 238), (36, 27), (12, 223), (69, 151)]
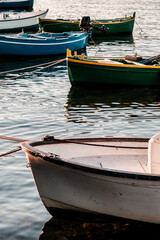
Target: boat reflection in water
[(144, 95), (56, 229), (111, 40), (89, 104), (109, 46)]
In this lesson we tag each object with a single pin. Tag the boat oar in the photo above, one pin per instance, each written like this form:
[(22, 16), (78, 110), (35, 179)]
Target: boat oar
[(149, 60), (11, 139)]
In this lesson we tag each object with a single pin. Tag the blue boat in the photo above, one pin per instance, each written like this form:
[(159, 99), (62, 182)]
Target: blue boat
[(25, 44), (16, 4)]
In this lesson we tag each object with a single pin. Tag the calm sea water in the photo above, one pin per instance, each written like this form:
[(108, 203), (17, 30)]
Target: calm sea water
[(44, 103)]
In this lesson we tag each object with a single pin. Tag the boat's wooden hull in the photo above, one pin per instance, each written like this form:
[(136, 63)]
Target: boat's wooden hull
[(42, 46), (119, 27), (26, 21), (16, 4), (84, 190), (91, 73)]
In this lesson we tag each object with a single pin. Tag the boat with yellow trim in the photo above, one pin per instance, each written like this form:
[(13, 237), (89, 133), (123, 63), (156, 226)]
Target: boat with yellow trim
[(115, 26), (84, 70)]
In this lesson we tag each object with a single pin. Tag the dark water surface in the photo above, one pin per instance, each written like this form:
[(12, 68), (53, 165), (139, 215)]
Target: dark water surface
[(43, 102)]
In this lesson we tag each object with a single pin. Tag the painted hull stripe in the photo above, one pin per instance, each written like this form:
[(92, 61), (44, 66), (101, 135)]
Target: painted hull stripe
[(94, 23), (42, 44)]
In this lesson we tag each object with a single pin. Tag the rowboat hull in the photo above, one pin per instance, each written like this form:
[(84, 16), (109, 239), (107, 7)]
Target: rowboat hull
[(117, 26), (82, 189), (25, 21), (29, 46), (93, 73), (16, 4)]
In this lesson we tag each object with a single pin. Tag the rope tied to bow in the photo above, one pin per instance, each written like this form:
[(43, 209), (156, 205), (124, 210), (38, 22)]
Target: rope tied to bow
[(22, 75)]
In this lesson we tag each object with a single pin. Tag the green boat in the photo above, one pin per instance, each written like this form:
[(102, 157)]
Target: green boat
[(112, 26), (84, 70)]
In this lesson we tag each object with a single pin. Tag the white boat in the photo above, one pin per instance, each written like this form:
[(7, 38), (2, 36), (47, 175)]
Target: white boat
[(98, 177), (15, 22)]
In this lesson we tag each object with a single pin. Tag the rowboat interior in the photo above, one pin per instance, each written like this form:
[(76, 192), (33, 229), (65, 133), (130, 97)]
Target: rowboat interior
[(45, 35), (100, 157), (121, 60), (113, 154), (14, 15), (98, 21)]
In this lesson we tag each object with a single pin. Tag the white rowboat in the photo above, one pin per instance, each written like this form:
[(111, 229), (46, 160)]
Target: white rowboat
[(18, 21), (98, 177)]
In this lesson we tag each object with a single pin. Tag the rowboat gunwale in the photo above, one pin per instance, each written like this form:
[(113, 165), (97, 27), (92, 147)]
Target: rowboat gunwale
[(33, 15), (96, 22), (41, 41), (30, 148), (87, 62)]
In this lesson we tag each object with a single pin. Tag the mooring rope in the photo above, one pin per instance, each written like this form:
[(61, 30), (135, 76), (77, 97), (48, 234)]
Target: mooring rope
[(94, 43), (10, 152), (141, 30), (21, 69), (11, 139), (49, 65)]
